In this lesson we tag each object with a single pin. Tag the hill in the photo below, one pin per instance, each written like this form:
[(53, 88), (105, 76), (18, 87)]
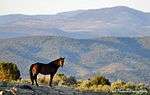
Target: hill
[(122, 58), (117, 21)]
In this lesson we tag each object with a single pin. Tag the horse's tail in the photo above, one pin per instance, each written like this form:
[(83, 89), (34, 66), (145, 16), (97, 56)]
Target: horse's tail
[(31, 74)]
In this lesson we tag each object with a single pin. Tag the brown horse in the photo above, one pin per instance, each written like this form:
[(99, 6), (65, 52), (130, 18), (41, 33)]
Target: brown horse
[(45, 69)]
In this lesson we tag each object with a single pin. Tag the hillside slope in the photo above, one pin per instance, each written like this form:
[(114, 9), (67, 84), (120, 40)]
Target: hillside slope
[(116, 58)]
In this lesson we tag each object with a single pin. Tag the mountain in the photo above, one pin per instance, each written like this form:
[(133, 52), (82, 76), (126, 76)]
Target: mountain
[(117, 21), (123, 58), (114, 42)]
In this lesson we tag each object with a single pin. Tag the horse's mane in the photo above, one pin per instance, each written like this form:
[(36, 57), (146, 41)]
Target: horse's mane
[(54, 62)]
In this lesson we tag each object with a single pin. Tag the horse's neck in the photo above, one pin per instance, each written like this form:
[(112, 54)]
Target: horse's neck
[(54, 63)]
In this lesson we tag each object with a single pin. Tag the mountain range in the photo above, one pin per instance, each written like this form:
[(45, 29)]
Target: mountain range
[(122, 58), (117, 21), (114, 42)]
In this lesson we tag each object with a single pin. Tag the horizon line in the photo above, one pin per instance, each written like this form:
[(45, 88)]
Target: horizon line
[(34, 14)]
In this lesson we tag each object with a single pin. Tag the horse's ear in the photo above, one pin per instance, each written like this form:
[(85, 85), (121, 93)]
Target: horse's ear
[(64, 58)]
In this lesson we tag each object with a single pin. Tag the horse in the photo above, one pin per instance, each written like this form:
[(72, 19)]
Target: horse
[(45, 69)]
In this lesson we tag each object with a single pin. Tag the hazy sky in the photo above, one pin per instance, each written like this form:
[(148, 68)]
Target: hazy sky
[(55, 6)]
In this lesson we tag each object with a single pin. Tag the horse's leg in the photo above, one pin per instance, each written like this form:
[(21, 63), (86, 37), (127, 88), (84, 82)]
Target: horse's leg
[(31, 75), (51, 79), (32, 80), (35, 78)]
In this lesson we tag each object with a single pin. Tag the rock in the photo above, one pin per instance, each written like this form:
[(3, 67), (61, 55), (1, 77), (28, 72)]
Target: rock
[(24, 87), (6, 92), (14, 90), (3, 84)]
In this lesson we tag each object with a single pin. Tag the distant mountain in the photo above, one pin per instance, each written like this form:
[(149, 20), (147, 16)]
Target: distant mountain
[(83, 24), (115, 57)]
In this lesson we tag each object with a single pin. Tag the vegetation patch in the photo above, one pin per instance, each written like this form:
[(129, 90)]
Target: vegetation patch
[(9, 71)]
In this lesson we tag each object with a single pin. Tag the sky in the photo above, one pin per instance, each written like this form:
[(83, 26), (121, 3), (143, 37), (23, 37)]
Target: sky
[(34, 7)]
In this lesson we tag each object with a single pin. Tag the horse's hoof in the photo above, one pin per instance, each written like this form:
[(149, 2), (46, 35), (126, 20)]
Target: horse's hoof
[(37, 85)]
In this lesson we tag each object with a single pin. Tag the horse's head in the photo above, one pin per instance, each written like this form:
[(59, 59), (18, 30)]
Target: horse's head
[(61, 61)]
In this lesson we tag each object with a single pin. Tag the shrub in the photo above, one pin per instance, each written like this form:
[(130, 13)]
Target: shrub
[(9, 71), (99, 80), (106, 88), (136, 87), (96, 83), (118, 85), (60, 79), (130, 86), (43, 80), (141, 86), (64, 80), (71, 80), (85, 83)]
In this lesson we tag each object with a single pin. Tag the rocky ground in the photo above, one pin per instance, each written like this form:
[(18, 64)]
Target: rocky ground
[(27, 89)]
